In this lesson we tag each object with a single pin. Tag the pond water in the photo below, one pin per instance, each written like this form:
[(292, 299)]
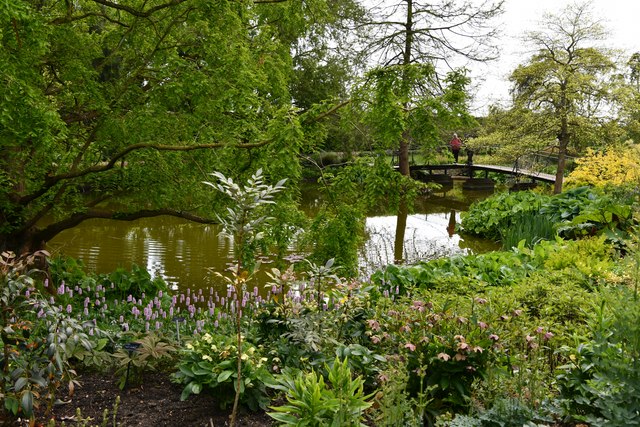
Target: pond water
[(187, 254)]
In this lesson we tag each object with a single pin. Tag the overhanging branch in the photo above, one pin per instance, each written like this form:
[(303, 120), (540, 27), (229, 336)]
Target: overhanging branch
[(47, 233)]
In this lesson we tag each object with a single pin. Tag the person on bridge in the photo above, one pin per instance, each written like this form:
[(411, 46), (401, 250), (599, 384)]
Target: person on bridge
[(455, 144)]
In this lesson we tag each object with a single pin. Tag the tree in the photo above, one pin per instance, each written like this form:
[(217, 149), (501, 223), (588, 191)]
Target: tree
[(564, 83), (414, 41), (120, 109), (628, 96)]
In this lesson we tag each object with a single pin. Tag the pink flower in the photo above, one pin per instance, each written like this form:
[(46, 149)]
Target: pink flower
[(548, 336), (373, 324), (494, 337), (375, 339), (444, 356), (463, 346), (410, 346), (540, 330), (482, 325)]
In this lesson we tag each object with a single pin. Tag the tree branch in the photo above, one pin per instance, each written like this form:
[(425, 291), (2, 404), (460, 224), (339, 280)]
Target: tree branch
[(50, 181), (49, 232), (138, 13)]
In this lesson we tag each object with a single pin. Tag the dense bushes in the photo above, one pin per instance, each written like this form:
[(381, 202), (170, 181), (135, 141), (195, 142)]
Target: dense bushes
[(545, 333), (575, 213)]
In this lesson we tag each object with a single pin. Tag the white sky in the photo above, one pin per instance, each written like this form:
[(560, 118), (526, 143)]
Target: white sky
[(619, 17)]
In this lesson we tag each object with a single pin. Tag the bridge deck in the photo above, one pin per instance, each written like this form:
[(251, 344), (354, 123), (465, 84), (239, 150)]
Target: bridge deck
[(545, 177)]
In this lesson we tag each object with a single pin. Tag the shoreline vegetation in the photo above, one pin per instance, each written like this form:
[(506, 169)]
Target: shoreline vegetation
[(543, 332)]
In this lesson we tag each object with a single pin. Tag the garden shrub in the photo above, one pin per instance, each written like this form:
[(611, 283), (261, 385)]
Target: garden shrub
[(494, 214), (208, 362), (617, 166), (445, 347), (39, 340), (465, 274), (575, 213), (600, 384)]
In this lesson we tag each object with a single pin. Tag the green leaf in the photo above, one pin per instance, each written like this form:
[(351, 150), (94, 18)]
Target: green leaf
[(224, 376), (27, 402), (20, 383)]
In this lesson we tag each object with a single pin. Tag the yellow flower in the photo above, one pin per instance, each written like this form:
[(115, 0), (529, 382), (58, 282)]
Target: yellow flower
[(207, 357)]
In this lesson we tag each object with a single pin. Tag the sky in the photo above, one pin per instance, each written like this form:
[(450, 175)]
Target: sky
[(619, 17)]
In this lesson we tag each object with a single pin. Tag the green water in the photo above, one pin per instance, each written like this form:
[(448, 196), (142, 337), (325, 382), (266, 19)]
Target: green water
[(187, 254)]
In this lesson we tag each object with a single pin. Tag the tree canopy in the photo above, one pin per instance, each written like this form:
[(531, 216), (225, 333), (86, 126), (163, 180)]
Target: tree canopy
[(565, 83)]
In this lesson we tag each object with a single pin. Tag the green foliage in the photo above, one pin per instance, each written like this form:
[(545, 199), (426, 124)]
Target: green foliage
[(366, 185), (340, 401), (504, 413), (36, 353), (151, 353), (137, 282), (243, 223), (208, 363), (118, 124), (601, 377), (530, 227), (337, 232), (567, 72), (388, 90), (446, 345), (461, 274), (315, 319), (575, 213), (490, 216), (393, 405)]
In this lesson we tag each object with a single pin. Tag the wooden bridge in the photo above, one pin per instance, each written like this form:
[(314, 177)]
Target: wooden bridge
[(470, 169)]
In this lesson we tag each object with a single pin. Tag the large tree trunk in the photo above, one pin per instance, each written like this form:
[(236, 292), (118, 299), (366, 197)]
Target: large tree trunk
[(562, 160), (403, 157), (563, 144)]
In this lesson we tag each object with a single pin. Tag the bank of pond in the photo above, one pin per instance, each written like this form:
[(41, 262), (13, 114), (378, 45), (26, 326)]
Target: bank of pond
[(543, 332)]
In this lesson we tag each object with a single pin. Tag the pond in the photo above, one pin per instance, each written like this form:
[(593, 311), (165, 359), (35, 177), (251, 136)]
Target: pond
[(187, 254)]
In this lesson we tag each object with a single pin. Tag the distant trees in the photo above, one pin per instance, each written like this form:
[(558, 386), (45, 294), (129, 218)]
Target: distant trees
[(565, 85), (415, 44)]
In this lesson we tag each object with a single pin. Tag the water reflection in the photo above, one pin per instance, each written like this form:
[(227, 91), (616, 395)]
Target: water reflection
[(426, 236), (187, 254)]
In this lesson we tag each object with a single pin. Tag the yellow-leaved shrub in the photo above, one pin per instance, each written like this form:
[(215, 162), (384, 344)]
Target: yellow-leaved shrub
[(615, 166)]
